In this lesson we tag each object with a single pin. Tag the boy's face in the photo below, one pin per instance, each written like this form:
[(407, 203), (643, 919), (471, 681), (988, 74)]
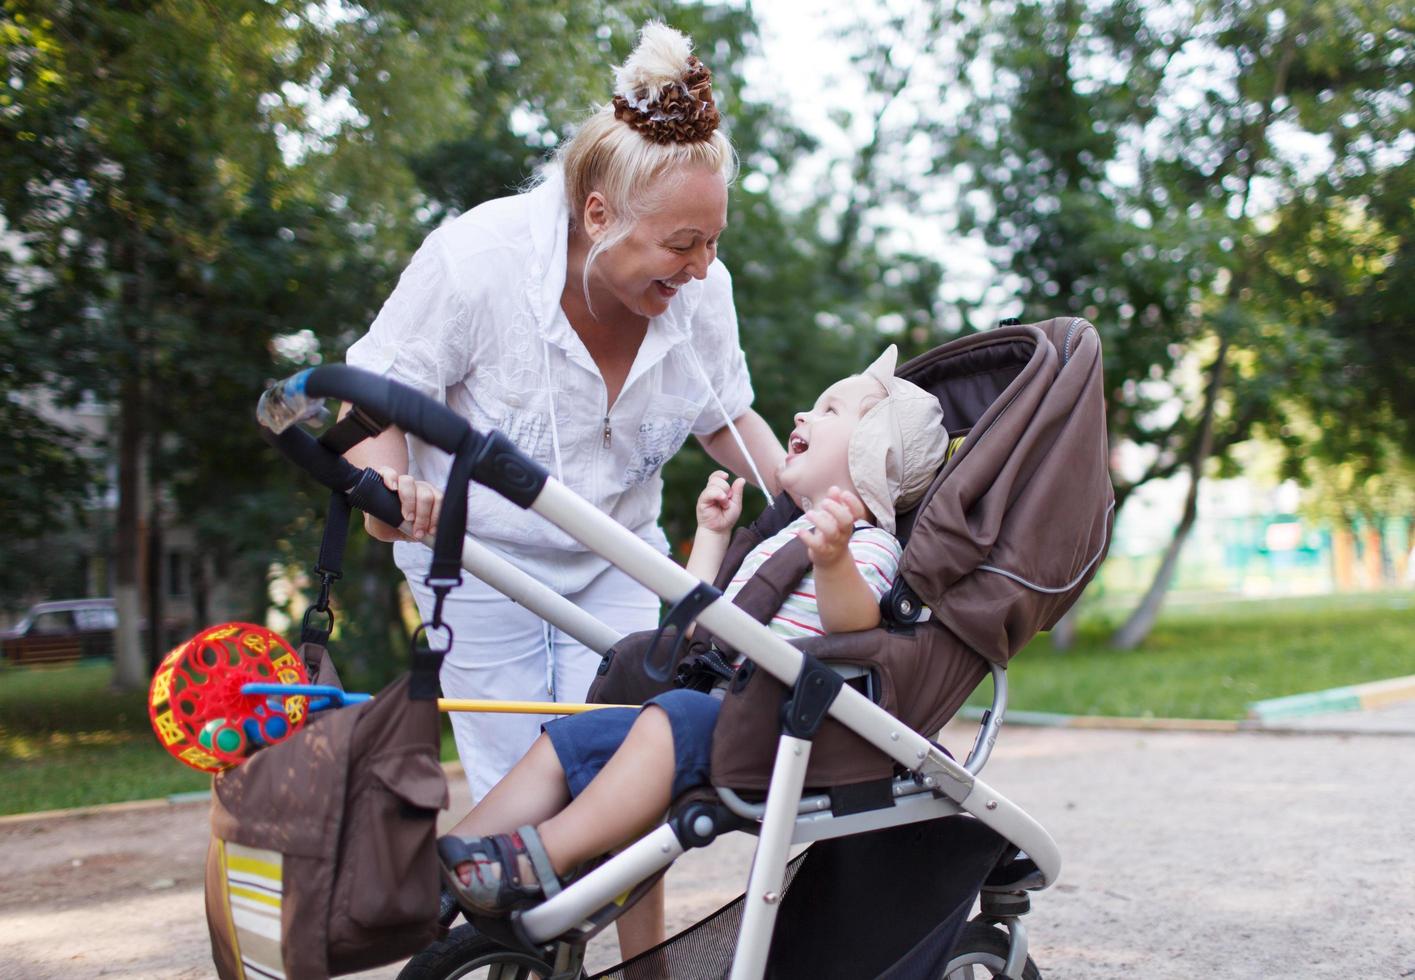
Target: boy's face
[(817, 454)]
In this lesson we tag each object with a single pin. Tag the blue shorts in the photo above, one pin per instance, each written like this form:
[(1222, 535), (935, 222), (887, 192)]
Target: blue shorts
[(584, 742)]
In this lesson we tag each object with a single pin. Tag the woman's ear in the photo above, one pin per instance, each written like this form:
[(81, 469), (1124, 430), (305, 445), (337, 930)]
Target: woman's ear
[(596, 217)]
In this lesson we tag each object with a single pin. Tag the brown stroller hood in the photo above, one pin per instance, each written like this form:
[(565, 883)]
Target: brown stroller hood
[(1018, 520), (1011, 531)]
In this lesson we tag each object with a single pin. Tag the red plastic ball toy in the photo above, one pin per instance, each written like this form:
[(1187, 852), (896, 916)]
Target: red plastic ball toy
[(196, 705)]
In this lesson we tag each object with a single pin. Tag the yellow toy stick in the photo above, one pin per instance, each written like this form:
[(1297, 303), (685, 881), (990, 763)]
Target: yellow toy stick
[(521, 707)]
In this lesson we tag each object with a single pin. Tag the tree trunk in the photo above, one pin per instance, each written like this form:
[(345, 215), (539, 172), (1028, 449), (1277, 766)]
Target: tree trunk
[(129, 661), (1063, 634), (1134, 630), (130, 670), (156, 645)]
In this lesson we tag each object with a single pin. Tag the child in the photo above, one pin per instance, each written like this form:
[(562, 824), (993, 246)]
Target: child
[(595, 781)]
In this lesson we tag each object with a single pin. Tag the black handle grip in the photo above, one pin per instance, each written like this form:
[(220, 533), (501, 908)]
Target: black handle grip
[(363, 488), (390, 402)]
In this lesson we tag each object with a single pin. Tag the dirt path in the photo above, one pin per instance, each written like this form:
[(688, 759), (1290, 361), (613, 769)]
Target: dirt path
[(1244, 857)]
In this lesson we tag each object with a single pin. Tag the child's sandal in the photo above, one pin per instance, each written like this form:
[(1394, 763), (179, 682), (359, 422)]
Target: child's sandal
[(497, 893)]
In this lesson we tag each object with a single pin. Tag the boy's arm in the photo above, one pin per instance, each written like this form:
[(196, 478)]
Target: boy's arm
[(845, 600), (719, 506), (708, 549)]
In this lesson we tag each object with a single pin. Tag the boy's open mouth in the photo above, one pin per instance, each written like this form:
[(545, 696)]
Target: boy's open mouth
[(796, 445)]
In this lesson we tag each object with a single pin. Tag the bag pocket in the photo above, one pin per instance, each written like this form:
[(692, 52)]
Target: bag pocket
[(387, 861)]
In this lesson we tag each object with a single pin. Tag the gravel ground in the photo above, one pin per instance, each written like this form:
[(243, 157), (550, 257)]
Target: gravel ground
[(1245, 856)]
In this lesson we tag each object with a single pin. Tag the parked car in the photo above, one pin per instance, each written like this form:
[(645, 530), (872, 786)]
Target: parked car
[(65, 630)]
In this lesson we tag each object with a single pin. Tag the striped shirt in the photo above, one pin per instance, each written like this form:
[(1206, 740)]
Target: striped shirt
[(876, 555)]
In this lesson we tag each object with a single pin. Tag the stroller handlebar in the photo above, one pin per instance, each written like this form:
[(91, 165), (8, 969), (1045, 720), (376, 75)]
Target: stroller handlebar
[(380, 401), (383, 401), (364, 488)]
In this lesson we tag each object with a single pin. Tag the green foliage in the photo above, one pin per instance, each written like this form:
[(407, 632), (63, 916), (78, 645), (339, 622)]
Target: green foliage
[(1138, 164)]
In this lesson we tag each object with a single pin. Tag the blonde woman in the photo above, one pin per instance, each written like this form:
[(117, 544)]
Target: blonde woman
[(589, 320)]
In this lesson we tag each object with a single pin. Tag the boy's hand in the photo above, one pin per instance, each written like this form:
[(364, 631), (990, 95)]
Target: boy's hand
[(720, 503), (828, 542)]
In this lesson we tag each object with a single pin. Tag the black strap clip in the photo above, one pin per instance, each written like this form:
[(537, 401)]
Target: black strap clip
[(309, 632), (810, 700), (679, 618), (426, 659), (703, 672)]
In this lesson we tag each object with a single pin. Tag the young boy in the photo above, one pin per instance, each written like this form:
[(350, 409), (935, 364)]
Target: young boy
[(592, 782)]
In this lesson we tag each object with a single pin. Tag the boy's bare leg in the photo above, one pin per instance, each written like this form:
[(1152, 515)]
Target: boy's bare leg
[(626, 799), (534, 790)]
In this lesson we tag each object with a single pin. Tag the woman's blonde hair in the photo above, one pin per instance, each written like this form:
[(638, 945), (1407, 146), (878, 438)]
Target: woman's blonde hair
[(636, 150)]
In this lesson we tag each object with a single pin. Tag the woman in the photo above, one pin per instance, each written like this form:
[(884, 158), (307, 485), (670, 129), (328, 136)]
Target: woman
[(590, 321)]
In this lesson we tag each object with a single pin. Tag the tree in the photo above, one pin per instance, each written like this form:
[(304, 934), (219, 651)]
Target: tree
[(199, 200), (1129, 160)]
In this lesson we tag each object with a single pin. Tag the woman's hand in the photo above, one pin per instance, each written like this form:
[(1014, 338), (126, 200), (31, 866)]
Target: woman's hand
[(720, 503), (828, 542), (421, 503)]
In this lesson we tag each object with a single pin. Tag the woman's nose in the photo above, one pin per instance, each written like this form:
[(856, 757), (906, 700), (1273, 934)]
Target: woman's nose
[(701, 259)]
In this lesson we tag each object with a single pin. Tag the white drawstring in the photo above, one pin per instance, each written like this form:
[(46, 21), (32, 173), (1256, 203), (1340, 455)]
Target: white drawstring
[(550, 395), (549, 635), (736, 436)]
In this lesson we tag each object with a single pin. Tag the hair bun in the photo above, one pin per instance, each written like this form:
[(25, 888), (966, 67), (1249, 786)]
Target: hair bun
[(663, 91)]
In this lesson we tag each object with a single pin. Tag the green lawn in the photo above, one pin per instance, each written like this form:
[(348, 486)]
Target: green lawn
[(1210, 660), (66, 740)]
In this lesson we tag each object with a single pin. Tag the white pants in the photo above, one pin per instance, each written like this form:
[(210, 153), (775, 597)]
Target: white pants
[(502, 651)]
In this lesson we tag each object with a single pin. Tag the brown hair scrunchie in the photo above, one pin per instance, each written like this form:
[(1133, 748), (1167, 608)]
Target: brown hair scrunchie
[(682, 112)]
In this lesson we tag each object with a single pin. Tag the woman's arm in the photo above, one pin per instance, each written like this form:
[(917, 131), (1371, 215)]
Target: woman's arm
[(761, 442), (387, 453)]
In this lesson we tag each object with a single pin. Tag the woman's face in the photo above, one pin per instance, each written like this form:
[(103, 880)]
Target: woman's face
[(665, 249)]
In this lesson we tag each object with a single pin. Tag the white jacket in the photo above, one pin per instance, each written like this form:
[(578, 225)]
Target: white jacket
[(475, 321)]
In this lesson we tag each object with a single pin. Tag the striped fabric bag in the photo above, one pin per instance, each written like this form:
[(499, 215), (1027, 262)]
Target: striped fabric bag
[(322, 859)]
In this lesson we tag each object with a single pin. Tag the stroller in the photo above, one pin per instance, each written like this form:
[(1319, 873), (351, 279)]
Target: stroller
[(827, 740)]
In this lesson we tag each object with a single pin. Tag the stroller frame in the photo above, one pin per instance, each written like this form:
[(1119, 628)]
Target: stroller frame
[(936, 785)]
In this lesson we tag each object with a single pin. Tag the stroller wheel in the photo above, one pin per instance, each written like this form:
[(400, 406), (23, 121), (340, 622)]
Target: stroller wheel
[(982, 952), (466, 953)]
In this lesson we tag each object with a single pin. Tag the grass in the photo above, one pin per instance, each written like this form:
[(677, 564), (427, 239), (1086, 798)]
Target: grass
[(1211, 660), (66, 740)]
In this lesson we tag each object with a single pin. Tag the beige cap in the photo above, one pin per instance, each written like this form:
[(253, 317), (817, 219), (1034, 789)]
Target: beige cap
[(899, 444)]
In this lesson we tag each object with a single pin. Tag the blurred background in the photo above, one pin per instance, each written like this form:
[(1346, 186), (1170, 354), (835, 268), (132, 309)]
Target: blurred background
[(197, 199)]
